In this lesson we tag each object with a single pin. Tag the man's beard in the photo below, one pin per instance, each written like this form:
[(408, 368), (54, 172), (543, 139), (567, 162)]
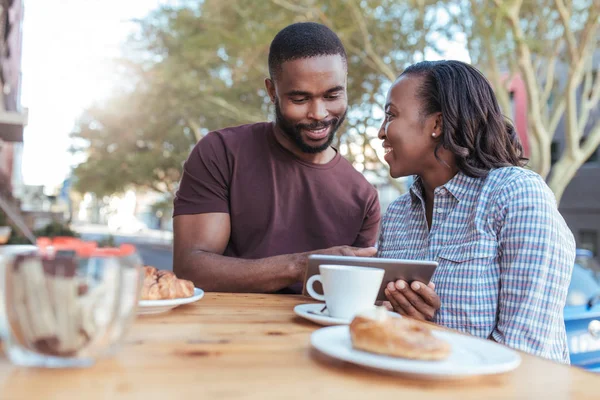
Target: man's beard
[(294, 132)]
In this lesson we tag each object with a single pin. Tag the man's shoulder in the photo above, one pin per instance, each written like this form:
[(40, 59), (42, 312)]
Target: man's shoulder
[(258, 128), (351, 175), (239, 136)]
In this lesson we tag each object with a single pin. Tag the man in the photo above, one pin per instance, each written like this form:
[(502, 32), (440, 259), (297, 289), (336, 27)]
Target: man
[(256, 200)]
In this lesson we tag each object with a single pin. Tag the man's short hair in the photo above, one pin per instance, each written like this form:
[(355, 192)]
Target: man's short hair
[(303, 40)]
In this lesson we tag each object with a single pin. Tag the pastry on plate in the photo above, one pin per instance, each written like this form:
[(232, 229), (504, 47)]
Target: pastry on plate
[(378, 332), (164, 285)]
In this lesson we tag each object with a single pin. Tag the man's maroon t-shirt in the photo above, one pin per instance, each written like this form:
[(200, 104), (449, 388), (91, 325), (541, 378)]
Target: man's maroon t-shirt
[(278, 204)]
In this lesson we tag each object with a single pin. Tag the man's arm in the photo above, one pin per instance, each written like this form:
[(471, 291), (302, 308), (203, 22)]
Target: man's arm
[(200, 240), (370, 228)]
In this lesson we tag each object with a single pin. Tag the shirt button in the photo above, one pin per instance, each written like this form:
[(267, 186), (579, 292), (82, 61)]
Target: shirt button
[(439, 210)]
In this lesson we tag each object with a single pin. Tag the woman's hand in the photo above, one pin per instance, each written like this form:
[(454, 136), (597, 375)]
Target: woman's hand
[(417, 301)]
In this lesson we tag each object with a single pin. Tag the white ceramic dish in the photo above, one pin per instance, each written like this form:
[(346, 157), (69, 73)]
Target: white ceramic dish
[(470, 356), (160, 306)]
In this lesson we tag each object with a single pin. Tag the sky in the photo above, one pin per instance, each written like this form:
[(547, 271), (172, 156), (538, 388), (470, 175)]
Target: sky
[(68, 46), (68, 49)]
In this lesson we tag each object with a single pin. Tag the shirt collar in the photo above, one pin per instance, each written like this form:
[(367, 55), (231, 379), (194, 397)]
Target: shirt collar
[(416, 189), (461, 186)]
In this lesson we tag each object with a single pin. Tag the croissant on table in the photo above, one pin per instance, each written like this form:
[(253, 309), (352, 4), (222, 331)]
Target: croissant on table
[(374, 331), (164, 285)]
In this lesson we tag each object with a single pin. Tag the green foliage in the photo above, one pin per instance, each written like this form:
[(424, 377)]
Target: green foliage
[(54, 229), (126, 146), (15, 237), (108, 241), (201, 66)]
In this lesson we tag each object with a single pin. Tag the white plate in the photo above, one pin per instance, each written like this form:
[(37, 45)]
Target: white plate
[(160, 306), (470, 355), (312, 312)]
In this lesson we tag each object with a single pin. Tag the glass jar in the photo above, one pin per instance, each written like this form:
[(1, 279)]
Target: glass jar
[(68, 302)]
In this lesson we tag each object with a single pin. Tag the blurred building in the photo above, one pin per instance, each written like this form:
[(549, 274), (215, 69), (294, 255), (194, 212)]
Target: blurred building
[(38, 208), (13, 117), (30, 201)]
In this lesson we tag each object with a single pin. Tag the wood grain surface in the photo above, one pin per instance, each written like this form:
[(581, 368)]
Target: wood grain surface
[(253, 346)]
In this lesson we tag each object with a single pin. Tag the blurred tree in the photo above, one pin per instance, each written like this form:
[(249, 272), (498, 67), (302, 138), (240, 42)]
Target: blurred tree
[(54, 229), (132, 140), (553, 46), (201, 66), (108, 241)]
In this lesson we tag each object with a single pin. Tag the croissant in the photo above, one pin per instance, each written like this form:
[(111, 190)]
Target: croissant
[(376, 332), (163, 285), (149, 275)]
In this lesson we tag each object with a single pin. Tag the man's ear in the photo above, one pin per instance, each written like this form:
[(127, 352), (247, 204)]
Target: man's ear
[(270, 86)]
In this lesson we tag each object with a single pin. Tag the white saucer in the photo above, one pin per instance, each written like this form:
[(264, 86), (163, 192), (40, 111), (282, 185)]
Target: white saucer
[(161, 306), (312, 312), (470, 355)]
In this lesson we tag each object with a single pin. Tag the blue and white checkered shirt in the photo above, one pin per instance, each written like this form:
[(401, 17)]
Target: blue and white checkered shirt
[(505, 256)]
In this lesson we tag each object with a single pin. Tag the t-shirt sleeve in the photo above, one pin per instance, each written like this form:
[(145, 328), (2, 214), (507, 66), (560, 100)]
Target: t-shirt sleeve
[(367, 236), (204, 186)]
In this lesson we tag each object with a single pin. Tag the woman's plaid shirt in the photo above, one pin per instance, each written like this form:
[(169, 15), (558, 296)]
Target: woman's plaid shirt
[(505, 256)]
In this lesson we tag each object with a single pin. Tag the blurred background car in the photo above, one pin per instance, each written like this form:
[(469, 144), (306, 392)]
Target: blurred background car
[(582, 312)]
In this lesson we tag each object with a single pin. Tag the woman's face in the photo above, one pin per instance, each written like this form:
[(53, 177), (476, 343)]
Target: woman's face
[(407, 136)]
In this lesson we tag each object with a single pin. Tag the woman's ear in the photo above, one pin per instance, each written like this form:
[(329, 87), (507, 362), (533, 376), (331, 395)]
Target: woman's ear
[(437, 125)]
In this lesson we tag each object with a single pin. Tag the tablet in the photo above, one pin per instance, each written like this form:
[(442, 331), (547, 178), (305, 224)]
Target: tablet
[(407, 270)]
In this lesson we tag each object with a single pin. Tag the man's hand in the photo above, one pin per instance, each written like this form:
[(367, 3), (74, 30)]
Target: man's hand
[(199, 243), (301, 262), (417, 301), (348, 251)]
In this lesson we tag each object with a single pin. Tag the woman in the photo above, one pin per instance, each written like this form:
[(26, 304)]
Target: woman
[(505, 253)]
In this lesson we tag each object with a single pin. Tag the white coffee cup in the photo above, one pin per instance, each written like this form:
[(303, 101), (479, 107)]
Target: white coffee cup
[(348, 290)]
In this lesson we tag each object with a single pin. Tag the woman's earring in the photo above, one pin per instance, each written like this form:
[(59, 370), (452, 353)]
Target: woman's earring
[(433, 134)]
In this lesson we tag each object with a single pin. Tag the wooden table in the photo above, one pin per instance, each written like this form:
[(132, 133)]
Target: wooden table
[(245, 346)]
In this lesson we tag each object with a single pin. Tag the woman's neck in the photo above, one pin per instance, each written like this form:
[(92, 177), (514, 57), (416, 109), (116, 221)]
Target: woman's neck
[(431, 180)]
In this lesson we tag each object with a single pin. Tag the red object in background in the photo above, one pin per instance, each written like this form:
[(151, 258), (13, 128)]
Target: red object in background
[(516, 87), (82, 248)]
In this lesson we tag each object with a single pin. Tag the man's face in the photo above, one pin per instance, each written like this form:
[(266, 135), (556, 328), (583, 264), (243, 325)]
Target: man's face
[(310, 100)]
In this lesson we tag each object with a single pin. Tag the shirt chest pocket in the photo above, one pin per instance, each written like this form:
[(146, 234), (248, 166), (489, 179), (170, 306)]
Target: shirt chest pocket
[(469, 259), (467, 282)]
